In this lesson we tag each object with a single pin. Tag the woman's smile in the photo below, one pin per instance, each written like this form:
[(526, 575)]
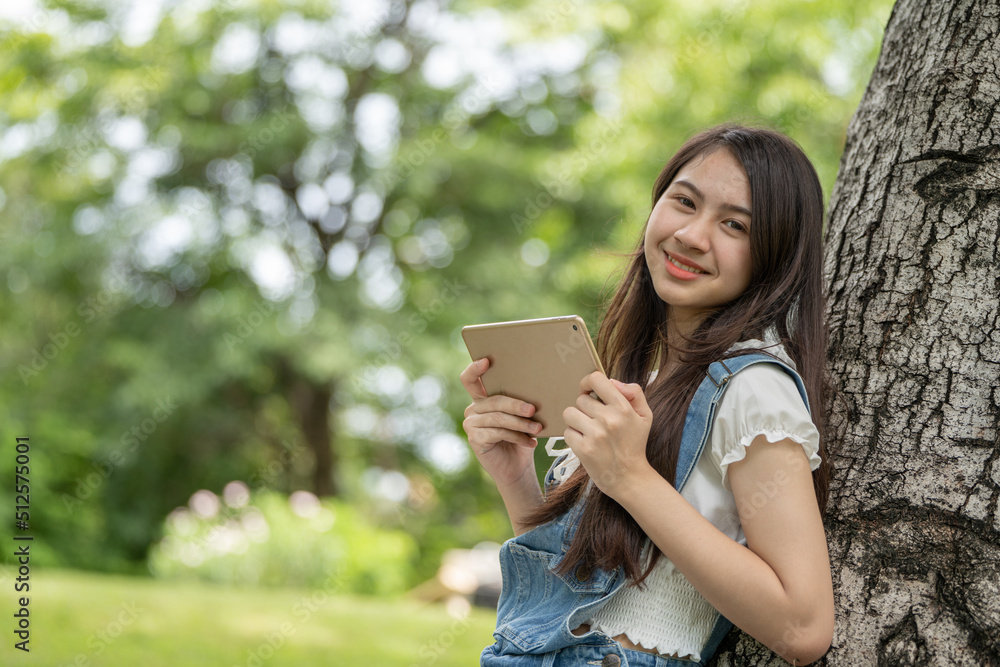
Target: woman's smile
[(697, 240), (683, 269)]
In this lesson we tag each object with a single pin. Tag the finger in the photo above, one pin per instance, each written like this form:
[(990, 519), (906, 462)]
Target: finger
[(501, 403), (470, 378), (627, 390), (589, 404), (503, 420), (491, 437), (576, 419), (598, 382), (635, 396), (573, 439)]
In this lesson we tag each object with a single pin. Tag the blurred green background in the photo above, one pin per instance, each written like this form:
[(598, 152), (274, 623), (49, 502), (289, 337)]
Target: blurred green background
[(238, 241)]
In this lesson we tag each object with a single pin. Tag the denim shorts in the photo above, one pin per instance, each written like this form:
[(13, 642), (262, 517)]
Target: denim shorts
[(585, 655)]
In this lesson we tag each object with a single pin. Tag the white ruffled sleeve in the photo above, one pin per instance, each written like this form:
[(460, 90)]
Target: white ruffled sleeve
[(760, 400)]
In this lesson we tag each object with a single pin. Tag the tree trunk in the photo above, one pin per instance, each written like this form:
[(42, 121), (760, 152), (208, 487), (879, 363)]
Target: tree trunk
[(310, 402), (912, 263)]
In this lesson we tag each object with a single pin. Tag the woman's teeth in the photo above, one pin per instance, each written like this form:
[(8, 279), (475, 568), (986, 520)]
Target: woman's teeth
[(687, 268)]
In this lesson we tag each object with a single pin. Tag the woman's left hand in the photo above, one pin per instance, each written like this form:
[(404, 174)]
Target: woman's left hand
[(609, 438)]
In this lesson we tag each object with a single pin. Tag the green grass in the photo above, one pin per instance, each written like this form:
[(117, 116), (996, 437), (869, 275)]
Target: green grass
[(87, 620)]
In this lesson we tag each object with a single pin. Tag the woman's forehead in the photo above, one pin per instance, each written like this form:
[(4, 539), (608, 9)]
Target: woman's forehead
[(716, 174)]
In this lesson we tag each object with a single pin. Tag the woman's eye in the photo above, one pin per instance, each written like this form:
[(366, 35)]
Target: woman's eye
[(684, 201), (736, 225)]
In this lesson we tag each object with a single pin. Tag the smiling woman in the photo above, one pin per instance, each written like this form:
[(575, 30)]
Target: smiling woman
[(697, 239), (668, 517)]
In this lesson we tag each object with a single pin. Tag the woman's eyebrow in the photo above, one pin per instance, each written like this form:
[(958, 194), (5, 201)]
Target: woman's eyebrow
[(726, 206)]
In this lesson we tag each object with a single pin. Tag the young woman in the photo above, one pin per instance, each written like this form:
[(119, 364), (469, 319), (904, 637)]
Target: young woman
[(689, 496)]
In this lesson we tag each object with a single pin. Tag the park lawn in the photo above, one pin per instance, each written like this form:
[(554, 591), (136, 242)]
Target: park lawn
[(86, 619)]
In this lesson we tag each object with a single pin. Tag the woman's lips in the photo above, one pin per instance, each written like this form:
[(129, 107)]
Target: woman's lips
[(681, 273)]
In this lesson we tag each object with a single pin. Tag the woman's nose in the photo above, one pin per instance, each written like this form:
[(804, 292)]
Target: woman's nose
[(694, 234)]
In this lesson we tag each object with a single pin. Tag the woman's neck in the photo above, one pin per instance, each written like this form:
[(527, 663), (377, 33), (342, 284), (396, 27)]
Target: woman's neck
[(679, 327), (670, 362)]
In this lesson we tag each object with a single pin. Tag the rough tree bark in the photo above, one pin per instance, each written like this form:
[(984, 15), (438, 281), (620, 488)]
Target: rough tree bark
[(913, 269)]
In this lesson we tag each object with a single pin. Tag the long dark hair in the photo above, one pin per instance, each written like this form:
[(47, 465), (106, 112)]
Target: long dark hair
[(785, 296)]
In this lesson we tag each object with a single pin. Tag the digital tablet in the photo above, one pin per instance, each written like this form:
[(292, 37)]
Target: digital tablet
[(539, 361)]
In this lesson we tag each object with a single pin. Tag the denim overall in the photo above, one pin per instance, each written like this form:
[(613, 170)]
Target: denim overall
[(538, 607)]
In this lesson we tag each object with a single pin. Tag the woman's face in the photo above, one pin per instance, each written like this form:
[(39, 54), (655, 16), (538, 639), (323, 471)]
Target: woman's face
[(697, 241)]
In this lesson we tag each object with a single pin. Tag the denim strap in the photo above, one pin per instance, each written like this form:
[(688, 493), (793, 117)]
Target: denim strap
[(698, 424), (701, 413)]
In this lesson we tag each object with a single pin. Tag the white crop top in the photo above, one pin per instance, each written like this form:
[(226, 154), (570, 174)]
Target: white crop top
[(668, 615)]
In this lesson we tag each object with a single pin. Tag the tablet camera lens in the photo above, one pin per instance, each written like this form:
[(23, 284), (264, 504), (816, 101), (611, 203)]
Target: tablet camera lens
[(574, 327)]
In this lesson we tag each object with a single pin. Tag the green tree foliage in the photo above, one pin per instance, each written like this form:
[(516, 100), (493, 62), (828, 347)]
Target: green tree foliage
[(240, 239)]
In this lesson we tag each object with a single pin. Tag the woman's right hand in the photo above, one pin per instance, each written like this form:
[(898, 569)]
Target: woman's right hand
[(499, 429)]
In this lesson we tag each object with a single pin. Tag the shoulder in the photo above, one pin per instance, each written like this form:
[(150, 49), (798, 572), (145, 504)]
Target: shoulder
[(769, 345), (761, 399), (759, 385), (776, 372)]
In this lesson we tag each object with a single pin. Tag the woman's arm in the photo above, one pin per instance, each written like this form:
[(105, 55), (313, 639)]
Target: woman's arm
[(500, 432), (779, 589), (521, 498)]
